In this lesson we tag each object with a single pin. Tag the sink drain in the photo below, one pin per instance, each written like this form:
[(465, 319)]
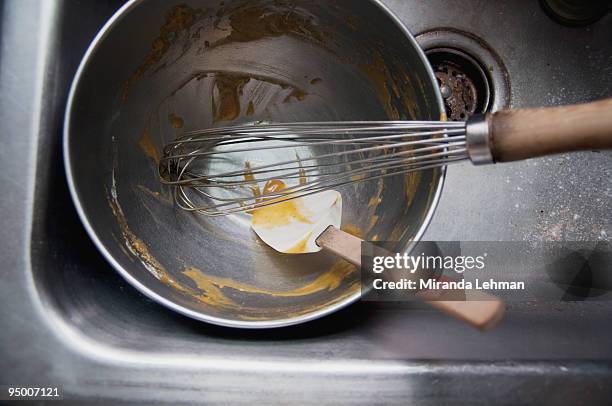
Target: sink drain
[(463, 83), (472, 77), (576, 13)]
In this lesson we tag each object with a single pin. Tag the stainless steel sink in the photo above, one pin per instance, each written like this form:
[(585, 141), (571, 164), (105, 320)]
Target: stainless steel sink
[(70, 320)]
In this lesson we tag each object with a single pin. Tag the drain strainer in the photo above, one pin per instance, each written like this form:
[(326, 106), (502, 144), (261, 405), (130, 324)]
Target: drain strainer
[(472, 77), (464, 86)]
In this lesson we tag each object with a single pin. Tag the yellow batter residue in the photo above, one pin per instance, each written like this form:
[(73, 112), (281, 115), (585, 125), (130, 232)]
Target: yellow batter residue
[(249, 177), (175, 121), (301, 247), (411, 185), (296, 93), (213, 286), (375, 201), (138, 248), (147, 145), (373, 222), (388, 88), (226, 97), (250, 109), (302, 173), (378, 75), (280, 214), (252, 23), (353, 230), (229, 94)]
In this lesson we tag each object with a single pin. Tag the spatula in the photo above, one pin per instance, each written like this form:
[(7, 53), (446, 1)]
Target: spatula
[(317, 228)]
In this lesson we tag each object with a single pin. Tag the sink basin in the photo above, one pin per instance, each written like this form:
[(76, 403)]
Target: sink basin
[(70, 320)]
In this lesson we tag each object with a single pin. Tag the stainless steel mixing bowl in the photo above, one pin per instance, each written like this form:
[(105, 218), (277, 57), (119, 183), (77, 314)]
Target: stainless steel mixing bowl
[(157, 69)]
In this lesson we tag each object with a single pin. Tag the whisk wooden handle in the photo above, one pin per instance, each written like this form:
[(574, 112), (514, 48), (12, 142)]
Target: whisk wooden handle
[(482, 313), (530, 133)]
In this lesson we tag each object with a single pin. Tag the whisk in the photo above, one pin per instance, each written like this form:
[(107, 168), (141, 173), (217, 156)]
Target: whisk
[(219, 171)]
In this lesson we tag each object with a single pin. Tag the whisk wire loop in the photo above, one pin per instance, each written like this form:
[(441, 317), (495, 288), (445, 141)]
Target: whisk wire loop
[(212, 174)]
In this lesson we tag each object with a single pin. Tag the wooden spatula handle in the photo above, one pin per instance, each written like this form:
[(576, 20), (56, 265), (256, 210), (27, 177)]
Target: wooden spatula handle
[(529, 133), (483, 313), (342, 244)]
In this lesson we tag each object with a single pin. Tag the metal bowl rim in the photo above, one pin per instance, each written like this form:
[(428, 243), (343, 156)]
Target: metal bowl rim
[(102, 34)]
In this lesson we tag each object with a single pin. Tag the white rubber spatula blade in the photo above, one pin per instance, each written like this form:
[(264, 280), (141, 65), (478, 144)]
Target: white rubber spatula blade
[(298, 235)]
